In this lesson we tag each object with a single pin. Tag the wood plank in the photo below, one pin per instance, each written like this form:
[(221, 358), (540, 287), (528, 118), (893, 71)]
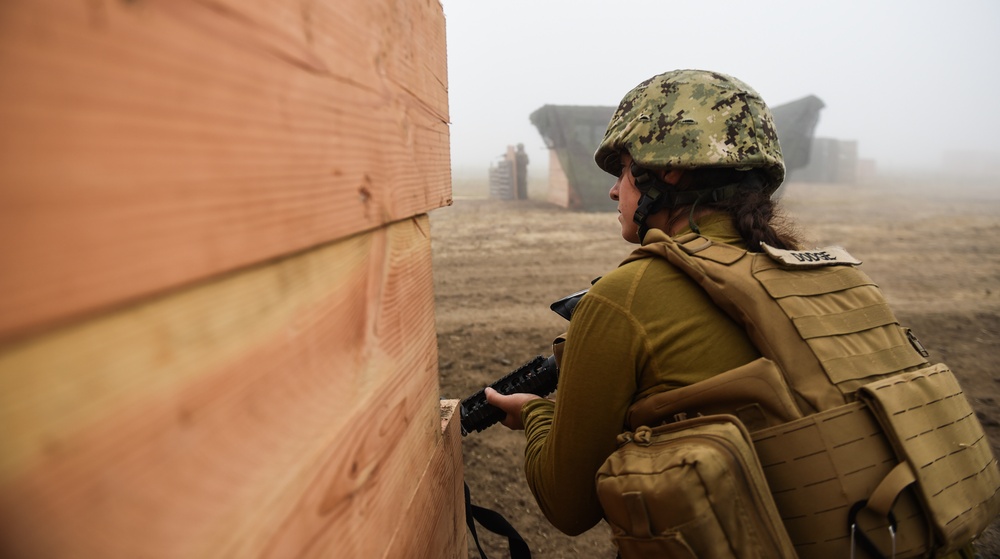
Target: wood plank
[(436, 517), (271, 413), (148, 145)]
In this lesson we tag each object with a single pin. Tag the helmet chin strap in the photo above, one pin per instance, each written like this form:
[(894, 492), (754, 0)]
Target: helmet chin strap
[(650, 202), (657, 195), (651, 197)]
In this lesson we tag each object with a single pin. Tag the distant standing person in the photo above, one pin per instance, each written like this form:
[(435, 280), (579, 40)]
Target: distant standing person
[(521, 161)]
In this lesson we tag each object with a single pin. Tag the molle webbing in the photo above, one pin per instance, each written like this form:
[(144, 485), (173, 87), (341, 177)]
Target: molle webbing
[(942, 447), (828, 328), (844, 318), (819, 466)]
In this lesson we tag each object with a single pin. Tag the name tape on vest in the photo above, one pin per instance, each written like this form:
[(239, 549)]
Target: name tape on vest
[(829, 256)]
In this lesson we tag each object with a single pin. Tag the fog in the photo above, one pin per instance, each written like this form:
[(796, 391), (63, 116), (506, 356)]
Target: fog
[(909, 80)]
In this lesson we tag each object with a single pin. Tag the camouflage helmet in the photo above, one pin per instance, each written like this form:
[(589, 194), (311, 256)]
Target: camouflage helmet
[(687, 119)]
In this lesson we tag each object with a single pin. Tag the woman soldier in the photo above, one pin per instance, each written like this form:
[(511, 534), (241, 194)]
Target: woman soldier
[(692, 151), (695, 153)]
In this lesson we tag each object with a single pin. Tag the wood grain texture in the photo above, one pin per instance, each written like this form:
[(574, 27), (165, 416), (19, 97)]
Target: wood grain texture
[(435, 526), (151, 144), (288, 410)]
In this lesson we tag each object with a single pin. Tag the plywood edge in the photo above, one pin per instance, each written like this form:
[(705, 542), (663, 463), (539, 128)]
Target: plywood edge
[(438, 530)]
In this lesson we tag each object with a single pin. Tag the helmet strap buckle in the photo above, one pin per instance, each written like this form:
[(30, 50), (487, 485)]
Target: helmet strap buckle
[(650, 202)]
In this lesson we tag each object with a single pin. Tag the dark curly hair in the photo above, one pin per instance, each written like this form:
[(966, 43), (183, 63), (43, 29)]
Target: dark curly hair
[(756, 216)]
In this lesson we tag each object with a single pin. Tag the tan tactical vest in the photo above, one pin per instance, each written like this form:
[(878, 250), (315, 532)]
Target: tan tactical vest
[(836, 369)]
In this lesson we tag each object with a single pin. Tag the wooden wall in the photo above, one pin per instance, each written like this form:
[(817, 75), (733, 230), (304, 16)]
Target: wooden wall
[(216, 308)]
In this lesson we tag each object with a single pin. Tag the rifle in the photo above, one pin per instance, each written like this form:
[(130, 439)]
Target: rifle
[(538, 376)]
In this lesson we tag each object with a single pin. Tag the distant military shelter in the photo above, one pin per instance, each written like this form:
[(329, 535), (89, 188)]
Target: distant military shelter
[(573, 133)]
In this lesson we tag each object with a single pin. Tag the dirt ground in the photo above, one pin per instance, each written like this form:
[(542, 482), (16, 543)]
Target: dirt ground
[(497, 266)]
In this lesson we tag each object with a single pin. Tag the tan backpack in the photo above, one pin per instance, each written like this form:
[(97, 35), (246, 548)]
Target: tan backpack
[(866, 447)]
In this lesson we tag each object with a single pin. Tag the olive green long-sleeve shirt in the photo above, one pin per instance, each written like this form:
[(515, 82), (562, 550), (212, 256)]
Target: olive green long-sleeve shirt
[(644, 328)]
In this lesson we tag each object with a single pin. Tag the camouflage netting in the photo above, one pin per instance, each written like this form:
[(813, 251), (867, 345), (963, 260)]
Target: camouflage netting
[(575, 132)]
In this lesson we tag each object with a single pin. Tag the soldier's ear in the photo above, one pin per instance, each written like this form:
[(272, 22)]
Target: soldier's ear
[(672, 177), (644, 178)]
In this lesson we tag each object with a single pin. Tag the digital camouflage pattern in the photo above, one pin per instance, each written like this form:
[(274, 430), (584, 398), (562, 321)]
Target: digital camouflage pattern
[(687, 119)]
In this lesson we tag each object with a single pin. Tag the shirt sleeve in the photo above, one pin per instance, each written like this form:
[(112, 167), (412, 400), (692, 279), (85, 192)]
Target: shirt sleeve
[(569, 439)]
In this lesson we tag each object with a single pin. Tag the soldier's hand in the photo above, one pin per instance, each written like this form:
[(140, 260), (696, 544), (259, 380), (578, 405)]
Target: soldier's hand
[(511, 404)]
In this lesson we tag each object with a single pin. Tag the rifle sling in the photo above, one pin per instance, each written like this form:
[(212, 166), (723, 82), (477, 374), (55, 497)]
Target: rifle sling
[(496, 523)]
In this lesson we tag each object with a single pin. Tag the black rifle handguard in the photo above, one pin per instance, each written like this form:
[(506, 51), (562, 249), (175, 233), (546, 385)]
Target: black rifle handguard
[(538, 376)]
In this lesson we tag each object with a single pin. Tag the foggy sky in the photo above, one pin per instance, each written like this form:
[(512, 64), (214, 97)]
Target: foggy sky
[(907, 79)]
